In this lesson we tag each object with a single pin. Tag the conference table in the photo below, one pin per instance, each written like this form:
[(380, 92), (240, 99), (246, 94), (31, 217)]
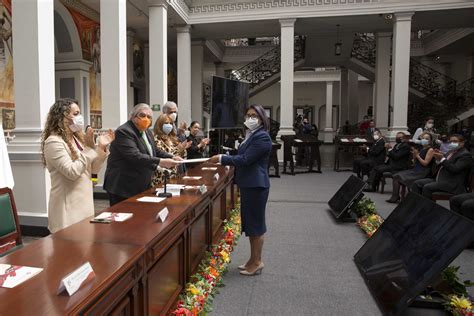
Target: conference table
[(141, 265)]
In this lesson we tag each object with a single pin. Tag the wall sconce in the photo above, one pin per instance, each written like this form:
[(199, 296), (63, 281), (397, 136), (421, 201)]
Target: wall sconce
[(338, 44)]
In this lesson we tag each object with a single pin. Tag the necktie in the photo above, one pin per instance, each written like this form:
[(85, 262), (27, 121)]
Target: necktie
[(147, 143)]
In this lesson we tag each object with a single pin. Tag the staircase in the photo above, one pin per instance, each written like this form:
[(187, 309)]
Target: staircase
[(465, 95), (431, 92), (265, 70)]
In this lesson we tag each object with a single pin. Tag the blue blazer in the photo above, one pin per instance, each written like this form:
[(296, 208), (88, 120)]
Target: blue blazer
[(251, 161)]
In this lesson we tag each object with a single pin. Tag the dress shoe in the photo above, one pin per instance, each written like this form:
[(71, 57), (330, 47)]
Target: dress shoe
[(257, 271), (392, 200), (242, 267)]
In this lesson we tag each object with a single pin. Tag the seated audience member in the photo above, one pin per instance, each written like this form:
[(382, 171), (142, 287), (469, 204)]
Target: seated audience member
[(198, 144), (463, 204), (375, 155), (134, 157), (444, 144), (371, 129), (71, 157), (466, 133), (428, 128), (307, 127), (422, 169), (399, 159), (453, 172), (167, 141)]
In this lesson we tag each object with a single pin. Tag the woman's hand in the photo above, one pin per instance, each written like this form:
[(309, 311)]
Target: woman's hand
[(184, 145), (104, 140), (214, 159), (89, 138), (204, 142)]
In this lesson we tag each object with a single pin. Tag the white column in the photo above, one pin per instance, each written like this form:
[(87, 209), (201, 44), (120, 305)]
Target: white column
[(197, 60), (184, 72), (287, 74), (400, 70), (146, 71), (344, 92), (34, 89), (130, 76), (113, 59), (353, 97), (158, 61), (328, 130), (382, 80)]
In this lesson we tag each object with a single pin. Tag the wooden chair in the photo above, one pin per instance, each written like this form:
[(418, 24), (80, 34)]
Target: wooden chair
[(10, 234)]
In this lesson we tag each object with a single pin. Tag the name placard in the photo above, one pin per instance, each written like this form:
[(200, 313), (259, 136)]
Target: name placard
[(162, 215), (216, 176), (74, 280)]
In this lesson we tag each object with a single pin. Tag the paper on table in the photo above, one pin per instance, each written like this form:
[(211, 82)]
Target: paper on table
[(298, 140), (192, 160), (115, 217), (11, 276), (152, 199), (192, 178), (344, 140), (209, 168)]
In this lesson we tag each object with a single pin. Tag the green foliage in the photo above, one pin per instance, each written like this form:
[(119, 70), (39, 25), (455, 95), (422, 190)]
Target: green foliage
[(364, 207), (450, 275)]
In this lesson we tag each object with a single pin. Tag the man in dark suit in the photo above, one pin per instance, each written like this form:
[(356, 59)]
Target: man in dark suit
[(375, 155), (463, 204), (399, 159), (134, 157), (453, 172), (369, 132)]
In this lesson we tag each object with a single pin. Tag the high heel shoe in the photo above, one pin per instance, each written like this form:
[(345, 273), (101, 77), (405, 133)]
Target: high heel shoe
[(242, 267), (257, 271)]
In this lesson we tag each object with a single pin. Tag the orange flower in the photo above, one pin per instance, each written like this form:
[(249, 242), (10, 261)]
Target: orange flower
[(213, 272)]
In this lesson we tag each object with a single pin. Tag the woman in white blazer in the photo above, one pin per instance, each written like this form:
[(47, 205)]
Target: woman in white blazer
[(71, 157)]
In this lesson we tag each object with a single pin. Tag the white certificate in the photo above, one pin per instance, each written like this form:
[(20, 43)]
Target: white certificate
[(150, 199), (192, 160)]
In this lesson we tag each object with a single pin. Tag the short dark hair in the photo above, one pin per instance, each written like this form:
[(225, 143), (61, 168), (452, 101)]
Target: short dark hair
[(193, 123), (429, 118), (262, 116), (458, 136)]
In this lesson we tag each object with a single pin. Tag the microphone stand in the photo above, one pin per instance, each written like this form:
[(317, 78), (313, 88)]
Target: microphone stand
[(164, 193)]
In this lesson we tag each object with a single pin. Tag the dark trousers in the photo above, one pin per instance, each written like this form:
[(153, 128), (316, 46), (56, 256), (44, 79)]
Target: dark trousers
[(427, 187), (377, 173), (114, 199), (362, 166), (463, 204)]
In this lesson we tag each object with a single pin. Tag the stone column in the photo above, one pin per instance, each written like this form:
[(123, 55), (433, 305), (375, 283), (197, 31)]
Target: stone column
[(184, 73), (113, 58), (353, 97), (197, 60), (146, 71), (344, 92), (34, 91), (400, 70), (287, 74), (382, 81), (220, 69), (328, 130), (158, 52), (130, 70)]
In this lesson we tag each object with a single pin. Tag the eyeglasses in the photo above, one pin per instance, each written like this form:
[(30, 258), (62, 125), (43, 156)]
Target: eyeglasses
[(143, 115), (253, 116)]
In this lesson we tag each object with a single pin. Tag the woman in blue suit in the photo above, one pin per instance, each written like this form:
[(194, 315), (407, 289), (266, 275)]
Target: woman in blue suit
[(251, 175)]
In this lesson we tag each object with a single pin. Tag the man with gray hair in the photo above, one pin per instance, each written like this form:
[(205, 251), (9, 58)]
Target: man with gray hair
[(170, 108), (134, 157)]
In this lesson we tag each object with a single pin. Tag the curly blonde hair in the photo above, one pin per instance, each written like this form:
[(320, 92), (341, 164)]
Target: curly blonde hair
[(55, 126), (158, 130)]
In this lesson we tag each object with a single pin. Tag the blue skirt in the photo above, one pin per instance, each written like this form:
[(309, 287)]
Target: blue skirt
[(253, 202)]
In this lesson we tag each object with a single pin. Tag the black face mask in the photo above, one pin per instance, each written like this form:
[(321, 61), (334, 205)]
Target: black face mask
[(398, 140)]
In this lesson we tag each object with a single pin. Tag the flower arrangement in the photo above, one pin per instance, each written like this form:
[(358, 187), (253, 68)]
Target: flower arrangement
[(460, 305), (370, 223), (364, 207), (198, 295)]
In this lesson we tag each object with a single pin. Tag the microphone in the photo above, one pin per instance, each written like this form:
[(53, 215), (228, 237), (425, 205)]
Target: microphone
[(165, 194)]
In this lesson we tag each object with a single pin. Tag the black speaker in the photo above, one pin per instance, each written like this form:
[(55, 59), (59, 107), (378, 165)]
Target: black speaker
[(347, 195)]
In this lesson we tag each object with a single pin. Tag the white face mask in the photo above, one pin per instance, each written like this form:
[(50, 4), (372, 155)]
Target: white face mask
[(425, 142), (376, 137), (167, 128), (187, 133), (173, 116), (77, 123), (252, 123)]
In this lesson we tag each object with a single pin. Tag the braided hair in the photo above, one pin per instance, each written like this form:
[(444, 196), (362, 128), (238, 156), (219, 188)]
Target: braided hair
[(55, 126)]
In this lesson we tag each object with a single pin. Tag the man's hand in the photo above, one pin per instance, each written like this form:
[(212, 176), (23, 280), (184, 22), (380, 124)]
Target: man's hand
[(214, 159), (438, 155), (167, 163), (177, 158), (388, 146)]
